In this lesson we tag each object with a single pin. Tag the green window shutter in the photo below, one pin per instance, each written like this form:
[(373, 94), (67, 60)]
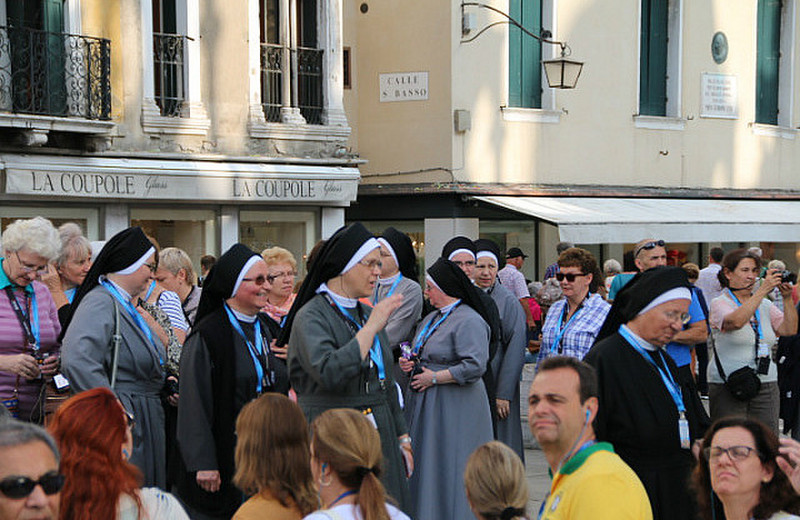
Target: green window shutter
[(525, 55), (767, 59), (653, 58)]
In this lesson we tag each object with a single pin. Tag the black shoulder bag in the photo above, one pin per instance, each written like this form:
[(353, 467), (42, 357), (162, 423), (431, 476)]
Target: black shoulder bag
[(743, 383)]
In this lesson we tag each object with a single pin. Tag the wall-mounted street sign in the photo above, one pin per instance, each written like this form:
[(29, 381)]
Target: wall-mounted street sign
[(403, 86)]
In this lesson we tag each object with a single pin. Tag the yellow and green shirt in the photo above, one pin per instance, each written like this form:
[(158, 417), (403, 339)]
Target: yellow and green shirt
[(595, 484)]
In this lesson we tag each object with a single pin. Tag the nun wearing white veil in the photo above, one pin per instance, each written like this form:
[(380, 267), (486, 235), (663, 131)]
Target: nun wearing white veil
[(123, 269), (339, 355)]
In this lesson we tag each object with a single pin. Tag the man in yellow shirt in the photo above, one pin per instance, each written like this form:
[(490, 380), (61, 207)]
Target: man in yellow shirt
[(590, 481)]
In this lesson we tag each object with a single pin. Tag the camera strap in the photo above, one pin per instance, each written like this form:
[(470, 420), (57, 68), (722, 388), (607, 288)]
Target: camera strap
[(755, 324), (31, 331)]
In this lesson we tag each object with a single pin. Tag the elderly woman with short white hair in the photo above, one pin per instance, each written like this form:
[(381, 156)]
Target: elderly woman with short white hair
[(70, 268), (29, 325)]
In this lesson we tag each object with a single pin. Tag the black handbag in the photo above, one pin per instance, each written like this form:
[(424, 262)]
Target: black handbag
[(743, 384)]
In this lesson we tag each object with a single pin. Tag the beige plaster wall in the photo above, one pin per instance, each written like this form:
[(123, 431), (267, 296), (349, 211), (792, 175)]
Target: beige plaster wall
[(408, 36), (596, 140)]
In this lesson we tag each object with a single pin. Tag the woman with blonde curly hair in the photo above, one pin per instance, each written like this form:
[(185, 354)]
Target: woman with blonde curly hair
[(495, 482)]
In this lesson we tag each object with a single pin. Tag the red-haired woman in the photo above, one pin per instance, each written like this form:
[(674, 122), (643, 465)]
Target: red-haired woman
[(93, 432)]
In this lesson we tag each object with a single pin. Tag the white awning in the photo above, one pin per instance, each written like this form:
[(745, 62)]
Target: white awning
[(618, 221)]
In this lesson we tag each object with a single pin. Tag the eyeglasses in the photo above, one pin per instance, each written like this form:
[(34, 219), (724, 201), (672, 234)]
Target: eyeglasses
[(465, 263), (258, 280), (648, 246), (735, 453), (129, 418), (569, 276), (371, 264), (674, 316), (153, 267), (272, 277), (21, 487), (38, 269)]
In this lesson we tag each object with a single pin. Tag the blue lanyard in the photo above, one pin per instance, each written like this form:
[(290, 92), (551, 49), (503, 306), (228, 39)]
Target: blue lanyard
[(256, 351), (563, 328), (375, 352), (33, 318), (150, 290), (133, 314), (425, 333), (757, 327), (673, 387), (391, 289)]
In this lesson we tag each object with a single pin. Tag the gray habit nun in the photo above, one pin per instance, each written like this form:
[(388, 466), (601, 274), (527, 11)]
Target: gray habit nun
[(86, 352), (325, 365), (509, 359), (448, 422)]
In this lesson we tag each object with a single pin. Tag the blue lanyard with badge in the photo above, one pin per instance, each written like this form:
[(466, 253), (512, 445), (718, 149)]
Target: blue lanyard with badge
[(673, 387), (375, 352), (564, 326), (134, 314), (391, 289), (258, 353), (762, 347), (426, 331)]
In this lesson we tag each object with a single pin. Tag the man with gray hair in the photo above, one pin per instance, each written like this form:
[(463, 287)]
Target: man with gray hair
[(30, 482)]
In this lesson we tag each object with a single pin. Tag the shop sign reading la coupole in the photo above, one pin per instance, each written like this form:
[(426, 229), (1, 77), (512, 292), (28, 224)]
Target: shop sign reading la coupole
[(182, 187)]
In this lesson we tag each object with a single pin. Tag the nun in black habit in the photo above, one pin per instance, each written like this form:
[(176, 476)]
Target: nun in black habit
[(651, 420), (226, 362), (339, 355), (105, 302), (448, 411)]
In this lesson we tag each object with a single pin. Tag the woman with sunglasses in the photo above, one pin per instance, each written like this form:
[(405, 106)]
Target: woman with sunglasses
[(29, 322), (738, 477), (339, 355), (745, 326), (94, 435), (227, 361), (572, 323)]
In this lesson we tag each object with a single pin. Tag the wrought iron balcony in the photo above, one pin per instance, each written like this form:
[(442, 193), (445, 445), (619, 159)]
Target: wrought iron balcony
[(169, 73), (309, 84), (54, 74), (271, 81), (274, 71)]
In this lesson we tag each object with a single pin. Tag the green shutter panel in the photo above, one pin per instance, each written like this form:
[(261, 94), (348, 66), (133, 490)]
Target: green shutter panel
[(653, 58), (767, 60), (525, 55), (53, 23)]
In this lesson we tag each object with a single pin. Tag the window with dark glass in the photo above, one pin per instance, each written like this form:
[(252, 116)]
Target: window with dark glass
[(169, 58), (768, 53)]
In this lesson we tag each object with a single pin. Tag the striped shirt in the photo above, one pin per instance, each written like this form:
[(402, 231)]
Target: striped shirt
[(170, 303)]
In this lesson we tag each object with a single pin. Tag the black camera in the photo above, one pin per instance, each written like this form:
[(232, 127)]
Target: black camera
[(788, 277), (763, 365)]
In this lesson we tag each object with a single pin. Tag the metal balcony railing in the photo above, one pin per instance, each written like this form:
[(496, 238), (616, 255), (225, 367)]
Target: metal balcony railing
[(271, 81), (55, 74), (169, 51), (309, 84), (274, 71)]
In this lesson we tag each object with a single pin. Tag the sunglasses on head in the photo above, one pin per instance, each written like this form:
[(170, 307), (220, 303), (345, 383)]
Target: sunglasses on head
[(648, 246), (569, 276), (21, 487)]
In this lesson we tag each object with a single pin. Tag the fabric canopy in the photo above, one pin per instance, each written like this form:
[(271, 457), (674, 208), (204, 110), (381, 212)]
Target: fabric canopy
[(594, 220)]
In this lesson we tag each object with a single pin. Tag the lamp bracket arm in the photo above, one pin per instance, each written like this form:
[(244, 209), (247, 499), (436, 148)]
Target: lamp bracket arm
[(513, 22)]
